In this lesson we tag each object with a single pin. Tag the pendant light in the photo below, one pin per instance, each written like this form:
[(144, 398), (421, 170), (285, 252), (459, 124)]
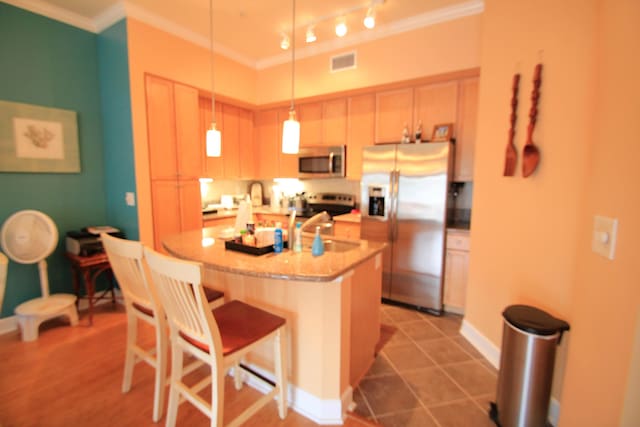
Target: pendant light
[(214, 140), (291, 127)]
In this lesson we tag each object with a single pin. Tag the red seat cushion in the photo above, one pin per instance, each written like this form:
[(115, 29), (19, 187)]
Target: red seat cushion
[(240, 325)]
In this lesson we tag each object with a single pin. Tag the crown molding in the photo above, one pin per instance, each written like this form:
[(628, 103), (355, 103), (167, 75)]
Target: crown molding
[(55, 13), (125, 9)]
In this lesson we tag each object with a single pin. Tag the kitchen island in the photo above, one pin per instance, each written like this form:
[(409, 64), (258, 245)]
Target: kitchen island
[(331, 303)]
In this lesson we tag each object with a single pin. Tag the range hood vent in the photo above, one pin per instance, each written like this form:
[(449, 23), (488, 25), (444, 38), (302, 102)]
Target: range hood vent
[(346, 61)]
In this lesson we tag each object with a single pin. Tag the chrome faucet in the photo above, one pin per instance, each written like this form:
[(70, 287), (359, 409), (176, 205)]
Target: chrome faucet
[(292, 227), (322, 217)]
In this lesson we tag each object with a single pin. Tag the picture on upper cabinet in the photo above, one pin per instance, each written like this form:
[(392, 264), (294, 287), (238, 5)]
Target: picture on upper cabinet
[(442, 132)]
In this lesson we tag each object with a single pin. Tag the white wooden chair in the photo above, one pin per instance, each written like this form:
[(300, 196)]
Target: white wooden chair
[(219, 337), (126, 259)]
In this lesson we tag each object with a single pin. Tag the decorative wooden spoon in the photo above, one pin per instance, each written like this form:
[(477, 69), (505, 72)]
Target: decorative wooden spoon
[(531, 154), (512, 155)]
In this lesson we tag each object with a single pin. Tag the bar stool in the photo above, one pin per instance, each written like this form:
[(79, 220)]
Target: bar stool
[(126, 259), (219, 338)]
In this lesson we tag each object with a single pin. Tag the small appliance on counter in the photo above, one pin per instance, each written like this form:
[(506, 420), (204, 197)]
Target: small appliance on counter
[(256, 194)]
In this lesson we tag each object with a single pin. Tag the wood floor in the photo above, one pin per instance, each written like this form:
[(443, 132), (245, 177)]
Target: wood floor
[(72, 376)]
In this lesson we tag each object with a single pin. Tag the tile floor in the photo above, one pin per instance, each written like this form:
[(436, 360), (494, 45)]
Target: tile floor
[(426, 375)]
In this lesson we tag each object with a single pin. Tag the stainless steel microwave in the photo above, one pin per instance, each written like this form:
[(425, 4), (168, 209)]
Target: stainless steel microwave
[(322, 162)]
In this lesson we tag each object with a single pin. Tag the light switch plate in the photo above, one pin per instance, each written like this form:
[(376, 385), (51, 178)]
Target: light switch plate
[(130, 198), (605, 231)]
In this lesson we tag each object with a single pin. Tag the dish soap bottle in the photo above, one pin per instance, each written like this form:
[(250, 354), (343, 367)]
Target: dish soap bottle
[(317, 248), (297, 238), (277, 238)]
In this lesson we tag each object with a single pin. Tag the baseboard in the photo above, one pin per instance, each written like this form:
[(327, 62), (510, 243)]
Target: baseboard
[(10, 323), (492, 354), (320, 411), (481, 343)]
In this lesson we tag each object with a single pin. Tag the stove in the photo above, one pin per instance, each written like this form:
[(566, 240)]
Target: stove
[(333, 203)]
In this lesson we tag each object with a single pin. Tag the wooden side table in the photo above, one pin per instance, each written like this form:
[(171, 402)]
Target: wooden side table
[(87, 269)]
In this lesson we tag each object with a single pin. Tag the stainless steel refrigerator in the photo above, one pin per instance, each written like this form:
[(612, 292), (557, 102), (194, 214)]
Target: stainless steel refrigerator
[(404, 203)]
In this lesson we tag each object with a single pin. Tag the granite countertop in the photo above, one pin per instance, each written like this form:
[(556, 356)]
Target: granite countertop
[(205, 246)]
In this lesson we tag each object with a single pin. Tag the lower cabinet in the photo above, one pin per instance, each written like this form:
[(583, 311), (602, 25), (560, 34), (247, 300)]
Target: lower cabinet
[(456, 271), (176, 207), (346, 229)]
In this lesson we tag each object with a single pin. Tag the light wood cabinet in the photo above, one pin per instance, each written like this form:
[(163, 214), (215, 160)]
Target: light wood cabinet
[(360, 131), (394, 111), (334, 122), (310, 118), (176, 207), (434, 104), (175, 157), (347, 229), (246, 143), (266, 141), (425, 105), (466, 129), (456, 271), (172, 115), (214, 166)]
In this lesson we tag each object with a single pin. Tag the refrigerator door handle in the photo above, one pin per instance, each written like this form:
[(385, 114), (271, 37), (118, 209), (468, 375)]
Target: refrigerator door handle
[(392, 195), (395, 204)]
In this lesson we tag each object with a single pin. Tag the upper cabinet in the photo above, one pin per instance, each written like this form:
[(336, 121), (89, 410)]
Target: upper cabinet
[(394, 112), (360, 130), (411, 107), (174, 145), (465, 129), (237, 157), (432, 105), (271, 161), (323, 123)]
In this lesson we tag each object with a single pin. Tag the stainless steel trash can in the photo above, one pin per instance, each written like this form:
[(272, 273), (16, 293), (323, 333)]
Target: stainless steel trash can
[(529, 340)]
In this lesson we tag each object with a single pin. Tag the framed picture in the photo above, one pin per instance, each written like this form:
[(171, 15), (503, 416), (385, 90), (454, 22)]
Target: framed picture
[(38, 139), (443, 132)]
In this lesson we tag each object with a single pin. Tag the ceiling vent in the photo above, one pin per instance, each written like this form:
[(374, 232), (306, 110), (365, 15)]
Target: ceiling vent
[(346, 61)]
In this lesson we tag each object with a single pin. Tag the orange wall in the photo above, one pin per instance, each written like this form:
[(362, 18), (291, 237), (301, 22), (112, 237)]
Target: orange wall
[(531, 237), (156, 52), (606, 294), (440, 48)]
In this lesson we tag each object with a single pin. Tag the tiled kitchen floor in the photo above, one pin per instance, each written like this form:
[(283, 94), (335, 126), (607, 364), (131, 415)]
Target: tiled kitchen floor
[(426, 375)]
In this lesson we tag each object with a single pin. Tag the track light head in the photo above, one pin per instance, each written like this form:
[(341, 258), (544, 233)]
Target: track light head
[(341, 26), (311, 35), (370, 18)]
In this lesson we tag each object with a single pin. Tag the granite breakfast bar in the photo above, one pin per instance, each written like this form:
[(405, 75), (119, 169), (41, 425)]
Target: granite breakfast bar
[(331, 304)]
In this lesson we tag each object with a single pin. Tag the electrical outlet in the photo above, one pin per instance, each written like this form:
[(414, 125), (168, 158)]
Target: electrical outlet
[(605, 231), (130, 198)]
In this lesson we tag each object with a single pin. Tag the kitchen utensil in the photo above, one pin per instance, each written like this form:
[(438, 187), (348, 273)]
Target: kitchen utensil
[(531, 153), (512, 155)]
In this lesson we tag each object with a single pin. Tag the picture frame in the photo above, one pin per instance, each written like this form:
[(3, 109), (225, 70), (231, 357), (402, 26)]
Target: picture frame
[(38, 139), (442, 132)]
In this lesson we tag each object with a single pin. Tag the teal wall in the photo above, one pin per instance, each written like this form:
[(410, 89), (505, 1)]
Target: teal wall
[(117, 127), (47, 63)]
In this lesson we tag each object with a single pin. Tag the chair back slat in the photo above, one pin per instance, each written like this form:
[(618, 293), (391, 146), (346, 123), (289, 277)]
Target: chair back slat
[(178, 283), (126, 259)]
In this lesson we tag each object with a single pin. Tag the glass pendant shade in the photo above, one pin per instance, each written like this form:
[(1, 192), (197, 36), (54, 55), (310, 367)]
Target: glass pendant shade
[(214, 142), (291, 134)]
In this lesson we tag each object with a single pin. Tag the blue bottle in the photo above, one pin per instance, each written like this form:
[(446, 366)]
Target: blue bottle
[(277, 238), (317, 248)]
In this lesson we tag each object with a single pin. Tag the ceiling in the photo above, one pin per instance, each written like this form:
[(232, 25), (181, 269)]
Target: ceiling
[(250, 31)]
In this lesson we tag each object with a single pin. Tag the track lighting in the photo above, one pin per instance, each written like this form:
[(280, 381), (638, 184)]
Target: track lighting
[(370, 19), (341, 27), (311, 35), (284, 43)]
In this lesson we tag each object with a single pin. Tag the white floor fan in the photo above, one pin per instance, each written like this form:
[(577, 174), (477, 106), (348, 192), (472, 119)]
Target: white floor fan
[(29, 237)]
